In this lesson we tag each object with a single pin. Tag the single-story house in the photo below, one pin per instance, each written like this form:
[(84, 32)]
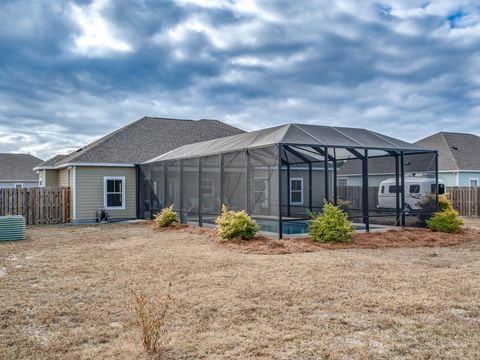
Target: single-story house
[(458, 162), (459, 159), (103, 174), (16, 171)]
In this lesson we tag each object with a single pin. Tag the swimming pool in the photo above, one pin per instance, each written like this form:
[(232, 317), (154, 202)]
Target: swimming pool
[(296, 227)]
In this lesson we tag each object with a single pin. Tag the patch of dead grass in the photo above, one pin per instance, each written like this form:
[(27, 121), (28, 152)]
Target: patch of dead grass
[(65, 293)]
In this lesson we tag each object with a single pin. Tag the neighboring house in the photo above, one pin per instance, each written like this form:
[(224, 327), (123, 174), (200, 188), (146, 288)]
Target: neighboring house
[(458, 157), (103, 174), (16, 171), (458, 162)]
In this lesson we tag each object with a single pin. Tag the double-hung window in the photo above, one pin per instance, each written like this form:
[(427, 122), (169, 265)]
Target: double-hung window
[(114, 192), (473, 182), (260, 192), (296, 191)]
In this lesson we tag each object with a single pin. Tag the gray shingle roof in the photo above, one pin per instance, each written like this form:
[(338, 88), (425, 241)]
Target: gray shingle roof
[(456, 151), (146, 138), (18, 167), (52, 161)]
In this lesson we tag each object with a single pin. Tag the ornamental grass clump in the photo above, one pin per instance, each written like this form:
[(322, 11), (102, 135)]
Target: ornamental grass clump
[(151, 317), (447, 221), (166, 217), (235, 224), (331, 226)]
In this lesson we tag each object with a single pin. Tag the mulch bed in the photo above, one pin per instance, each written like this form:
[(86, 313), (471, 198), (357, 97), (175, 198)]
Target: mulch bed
[(403, 238)]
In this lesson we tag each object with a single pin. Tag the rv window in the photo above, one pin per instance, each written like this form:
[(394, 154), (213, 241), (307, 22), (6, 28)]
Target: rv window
[(383, 189), (441, 189), (414, 189), (391, 189)]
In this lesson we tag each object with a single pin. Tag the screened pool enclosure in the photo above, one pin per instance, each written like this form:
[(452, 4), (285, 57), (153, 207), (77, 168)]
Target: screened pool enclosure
[(282, 175)]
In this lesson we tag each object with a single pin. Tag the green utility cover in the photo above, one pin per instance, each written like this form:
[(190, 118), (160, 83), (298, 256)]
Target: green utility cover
[(12, 228)]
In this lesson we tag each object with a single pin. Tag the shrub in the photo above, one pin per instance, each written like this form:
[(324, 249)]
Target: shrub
[(234, 224), (331, 225), (166, 217), (447, 221), (428, 206), (150, 315)]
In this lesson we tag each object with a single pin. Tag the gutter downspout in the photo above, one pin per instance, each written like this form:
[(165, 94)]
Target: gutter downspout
[(74, 193)]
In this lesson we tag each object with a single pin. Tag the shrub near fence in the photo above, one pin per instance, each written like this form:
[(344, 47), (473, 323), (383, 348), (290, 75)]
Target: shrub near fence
[(37, 205)]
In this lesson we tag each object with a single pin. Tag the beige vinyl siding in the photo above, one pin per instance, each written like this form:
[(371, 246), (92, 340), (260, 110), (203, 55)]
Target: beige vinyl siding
[(89, 191), (63, 178), (49, 178)]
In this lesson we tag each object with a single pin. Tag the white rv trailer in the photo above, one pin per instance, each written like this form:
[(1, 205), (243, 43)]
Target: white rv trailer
[(416, 188)]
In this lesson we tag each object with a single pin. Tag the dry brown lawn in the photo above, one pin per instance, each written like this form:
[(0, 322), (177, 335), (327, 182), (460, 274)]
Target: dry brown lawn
[(65, 294)]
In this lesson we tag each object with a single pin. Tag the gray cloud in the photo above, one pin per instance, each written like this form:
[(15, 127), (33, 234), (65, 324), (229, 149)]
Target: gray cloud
[(73, 71)]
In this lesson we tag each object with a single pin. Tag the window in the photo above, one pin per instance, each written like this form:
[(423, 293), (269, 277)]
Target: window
[(342, 182), (473, 182), (414, 189), (441, 189), (392, 189), (383, 189), (208, 187), (18, 185), (260, 192), (114, 192), (296, 191)]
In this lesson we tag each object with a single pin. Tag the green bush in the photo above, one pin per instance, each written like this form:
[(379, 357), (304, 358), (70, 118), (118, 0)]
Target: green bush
[(428, 206), (235, 224), (447, 221), (166, 217), (331, 225)]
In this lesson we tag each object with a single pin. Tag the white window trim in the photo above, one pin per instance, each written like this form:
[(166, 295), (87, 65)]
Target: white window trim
[(263, 204), (15, 185), (301, 191), (105, 179), (470, 182)]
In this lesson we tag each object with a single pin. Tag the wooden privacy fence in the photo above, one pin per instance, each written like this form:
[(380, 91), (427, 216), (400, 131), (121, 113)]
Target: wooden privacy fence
[(37, 205), (354, 195), (466, 200)]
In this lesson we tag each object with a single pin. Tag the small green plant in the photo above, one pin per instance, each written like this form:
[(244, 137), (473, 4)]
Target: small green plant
[(428, 206), (235, 224), (447, 221), (332, 225), (166, 217)]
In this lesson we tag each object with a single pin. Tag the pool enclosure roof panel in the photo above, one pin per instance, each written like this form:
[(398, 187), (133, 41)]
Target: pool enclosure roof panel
[(293, 134)]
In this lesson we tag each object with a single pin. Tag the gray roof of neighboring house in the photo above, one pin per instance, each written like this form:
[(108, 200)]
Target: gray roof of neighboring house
[(52, 161), (18, 167), (292, 134), (144, 139), (456, 151)]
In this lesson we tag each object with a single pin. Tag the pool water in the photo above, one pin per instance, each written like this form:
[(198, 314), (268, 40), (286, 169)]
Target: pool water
[(293, 227), (289, 227)]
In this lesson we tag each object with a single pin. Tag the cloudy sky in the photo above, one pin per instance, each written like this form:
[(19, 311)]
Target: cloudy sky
[(71, 71)]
